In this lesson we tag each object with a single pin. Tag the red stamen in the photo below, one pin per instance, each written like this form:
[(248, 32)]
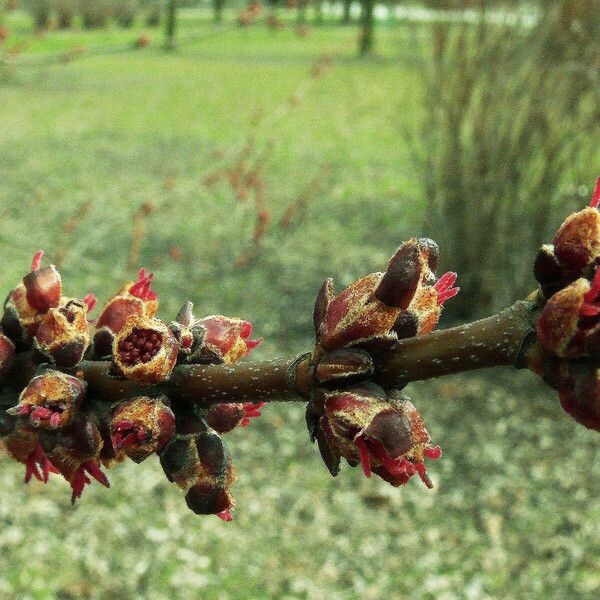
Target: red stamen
[(245, 329), (36, 263), (253, 343), (422, 471), (225, 515), (93, 468), (251, 410), (91, 301), (365, 459), (37, 459), (443, 287), (592, 295), (41, 413), (141, 289), (589, 310), (433, 453), (596, 195)]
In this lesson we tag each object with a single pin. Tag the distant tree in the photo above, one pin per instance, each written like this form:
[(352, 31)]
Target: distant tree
[(218, 6), (346, 17), (367, 21), (171, 24)]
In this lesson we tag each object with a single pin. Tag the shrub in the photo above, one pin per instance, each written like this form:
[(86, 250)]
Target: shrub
[(65, 12), (40, 11), (94, 13), (154, 14), (124, 12)]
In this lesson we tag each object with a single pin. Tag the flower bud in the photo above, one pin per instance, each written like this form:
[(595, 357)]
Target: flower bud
[(577, 242), (75, 455), (145, 350), (63, 336), (135, 298), (7, 353), (23, 445), (579, 392), (226, 417), (200, 465), (366, 313), (25, 306), (142, 426), (414, 263), (51, 400), (569, 322), (386, 435), (425, 309), (223, 340)]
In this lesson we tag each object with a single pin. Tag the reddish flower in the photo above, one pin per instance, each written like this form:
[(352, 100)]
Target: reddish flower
[(569, 322), (142, 426), (75, 454), (574, 250), (386, 435), (51, 400), (23, 445), (378, 306), (145, 350), (224, 340), (63, 335), (225, 417), (135, 298), (578, 387), (25, 306)]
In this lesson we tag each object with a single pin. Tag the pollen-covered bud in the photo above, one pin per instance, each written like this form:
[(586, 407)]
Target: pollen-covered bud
[(51, 400), (386, 435), (135, 298), (577, 242), (425, 309), (413, 264), (25, 306), (145, 350), (225, 417), (200, 465), (224, 340), (142, 426), (365, 313), (63, 335), (7, 354), (568, 325)]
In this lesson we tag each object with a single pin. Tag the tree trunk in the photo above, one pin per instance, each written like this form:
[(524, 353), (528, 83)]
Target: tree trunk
[(301, 12), (366, 37), (171, 25), (218, 10), (347, 7)]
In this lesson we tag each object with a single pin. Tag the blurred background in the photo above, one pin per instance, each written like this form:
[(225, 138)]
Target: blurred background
[(244, 152)]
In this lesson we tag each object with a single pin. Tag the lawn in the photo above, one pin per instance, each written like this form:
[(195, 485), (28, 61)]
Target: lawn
[(83, 145)]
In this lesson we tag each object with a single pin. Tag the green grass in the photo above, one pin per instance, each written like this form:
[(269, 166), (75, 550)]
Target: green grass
[(514, 513)]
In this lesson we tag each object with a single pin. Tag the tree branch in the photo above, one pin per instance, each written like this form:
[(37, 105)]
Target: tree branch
[(498, 340)]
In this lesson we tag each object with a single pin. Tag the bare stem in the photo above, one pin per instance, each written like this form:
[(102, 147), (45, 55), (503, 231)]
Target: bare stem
[(495, 341)]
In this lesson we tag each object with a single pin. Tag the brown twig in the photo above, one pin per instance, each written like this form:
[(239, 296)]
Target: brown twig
[(68, 228), (500, 340)]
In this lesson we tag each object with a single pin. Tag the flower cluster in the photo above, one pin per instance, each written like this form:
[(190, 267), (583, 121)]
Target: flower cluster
[(348, 415), (56, 427), (567, 344)]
